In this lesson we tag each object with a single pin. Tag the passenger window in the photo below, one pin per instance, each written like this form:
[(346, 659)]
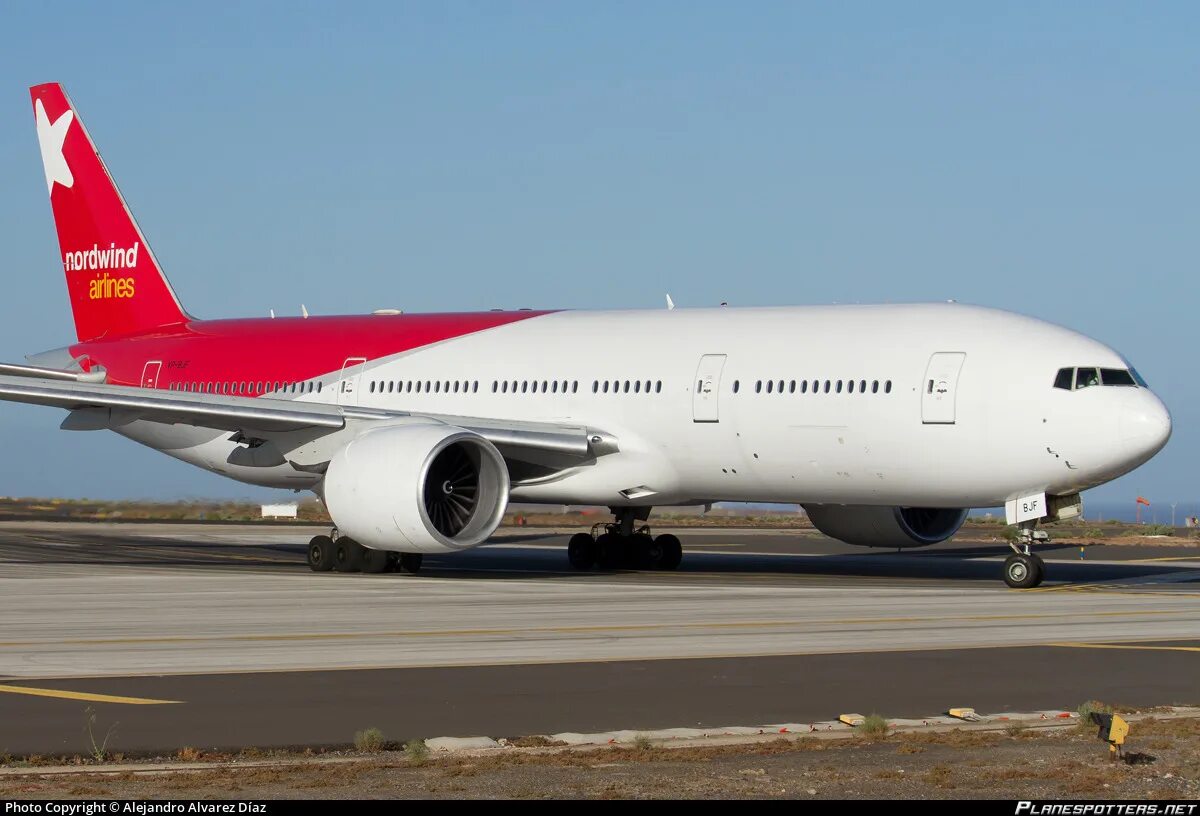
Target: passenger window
[(792, 387), (839, 386), (1086, 378), (804, 386), (770, 386), (736, 386), (887, 387), (862, 386), (658, 387), (850, 387), (758, 387)]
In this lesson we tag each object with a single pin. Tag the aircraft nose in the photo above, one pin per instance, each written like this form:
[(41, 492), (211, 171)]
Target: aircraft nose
[(1145, 423)]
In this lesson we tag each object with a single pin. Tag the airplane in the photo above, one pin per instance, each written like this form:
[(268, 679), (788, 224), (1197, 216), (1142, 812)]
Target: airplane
[(886, 423)]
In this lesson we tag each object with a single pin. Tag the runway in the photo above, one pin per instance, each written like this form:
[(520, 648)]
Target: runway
[(220, 636)]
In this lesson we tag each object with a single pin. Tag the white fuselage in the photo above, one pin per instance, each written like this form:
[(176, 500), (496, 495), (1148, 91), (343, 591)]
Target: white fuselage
[(958, 409)]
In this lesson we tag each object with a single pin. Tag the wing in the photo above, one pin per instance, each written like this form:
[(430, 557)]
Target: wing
[(96, 406)]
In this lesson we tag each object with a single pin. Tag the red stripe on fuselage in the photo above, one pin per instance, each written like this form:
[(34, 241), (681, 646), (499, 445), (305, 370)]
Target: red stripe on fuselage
[(285, 349)]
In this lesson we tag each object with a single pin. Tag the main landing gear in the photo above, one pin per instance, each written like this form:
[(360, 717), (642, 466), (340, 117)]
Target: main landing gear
[(344, 554), (622, 545), (1023, 569)]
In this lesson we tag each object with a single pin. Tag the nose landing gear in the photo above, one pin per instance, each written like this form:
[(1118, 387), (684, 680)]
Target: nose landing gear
[(1023, 569), (621, 545)]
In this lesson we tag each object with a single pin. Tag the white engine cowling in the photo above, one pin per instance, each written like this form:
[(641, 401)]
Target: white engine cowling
[(869, 526), (417, 489)]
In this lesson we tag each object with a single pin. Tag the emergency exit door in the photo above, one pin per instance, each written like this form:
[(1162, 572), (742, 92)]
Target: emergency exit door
[(706, 392), (351, 374), (150, 374), (939, 390)]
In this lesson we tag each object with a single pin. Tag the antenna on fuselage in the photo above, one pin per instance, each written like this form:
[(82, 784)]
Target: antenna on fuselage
[(670, 303), (303, 310), (272, 311)]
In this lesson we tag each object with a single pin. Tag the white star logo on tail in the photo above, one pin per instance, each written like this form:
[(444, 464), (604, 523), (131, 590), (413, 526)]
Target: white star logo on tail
[(51, 136)]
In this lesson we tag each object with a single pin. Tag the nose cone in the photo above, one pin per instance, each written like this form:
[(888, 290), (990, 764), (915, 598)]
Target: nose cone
[(1144, 424)]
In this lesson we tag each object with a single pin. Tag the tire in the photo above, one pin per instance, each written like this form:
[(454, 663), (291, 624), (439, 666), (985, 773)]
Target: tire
[(671, 549), (645, 551), (1041, 568), (581, 551), (411, 562), (349, 555), (321, 553), (374, 561), (1022, 572), (610, 551)]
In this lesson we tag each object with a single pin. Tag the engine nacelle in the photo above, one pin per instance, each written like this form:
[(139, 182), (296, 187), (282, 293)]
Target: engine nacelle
[(869, 526), (417, 489)]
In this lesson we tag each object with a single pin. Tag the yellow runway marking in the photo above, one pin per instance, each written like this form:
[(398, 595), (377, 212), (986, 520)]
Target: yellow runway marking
[(1126, 646), (1165, 558), (83, 695)]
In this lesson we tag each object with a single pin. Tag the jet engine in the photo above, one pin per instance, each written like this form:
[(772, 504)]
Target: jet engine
[(417, 489), (869, 526)]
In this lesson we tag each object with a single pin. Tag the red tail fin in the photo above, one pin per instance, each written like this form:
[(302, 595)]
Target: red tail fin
[(115, 282)]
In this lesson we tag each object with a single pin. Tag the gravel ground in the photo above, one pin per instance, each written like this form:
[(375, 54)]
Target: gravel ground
[(1035, 763)]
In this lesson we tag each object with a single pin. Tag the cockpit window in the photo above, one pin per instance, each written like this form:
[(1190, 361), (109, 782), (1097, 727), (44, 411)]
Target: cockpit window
[(1116, 376), (1070, 379)]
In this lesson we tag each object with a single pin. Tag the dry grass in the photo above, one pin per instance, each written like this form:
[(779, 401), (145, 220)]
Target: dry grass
[(535, 742), (369, 741), (416, 751), (874, 726)]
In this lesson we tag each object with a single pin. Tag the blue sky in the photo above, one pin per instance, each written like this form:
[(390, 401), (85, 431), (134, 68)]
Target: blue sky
[(1037, 157)]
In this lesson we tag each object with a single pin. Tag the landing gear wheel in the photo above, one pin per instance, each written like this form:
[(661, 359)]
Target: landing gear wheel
[(1023, 571), (671, 549), (411, 562), (582, 551), (1041, 568), (644, 551), (321, 552), (610, 551), (374, 561), (349, 555)]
